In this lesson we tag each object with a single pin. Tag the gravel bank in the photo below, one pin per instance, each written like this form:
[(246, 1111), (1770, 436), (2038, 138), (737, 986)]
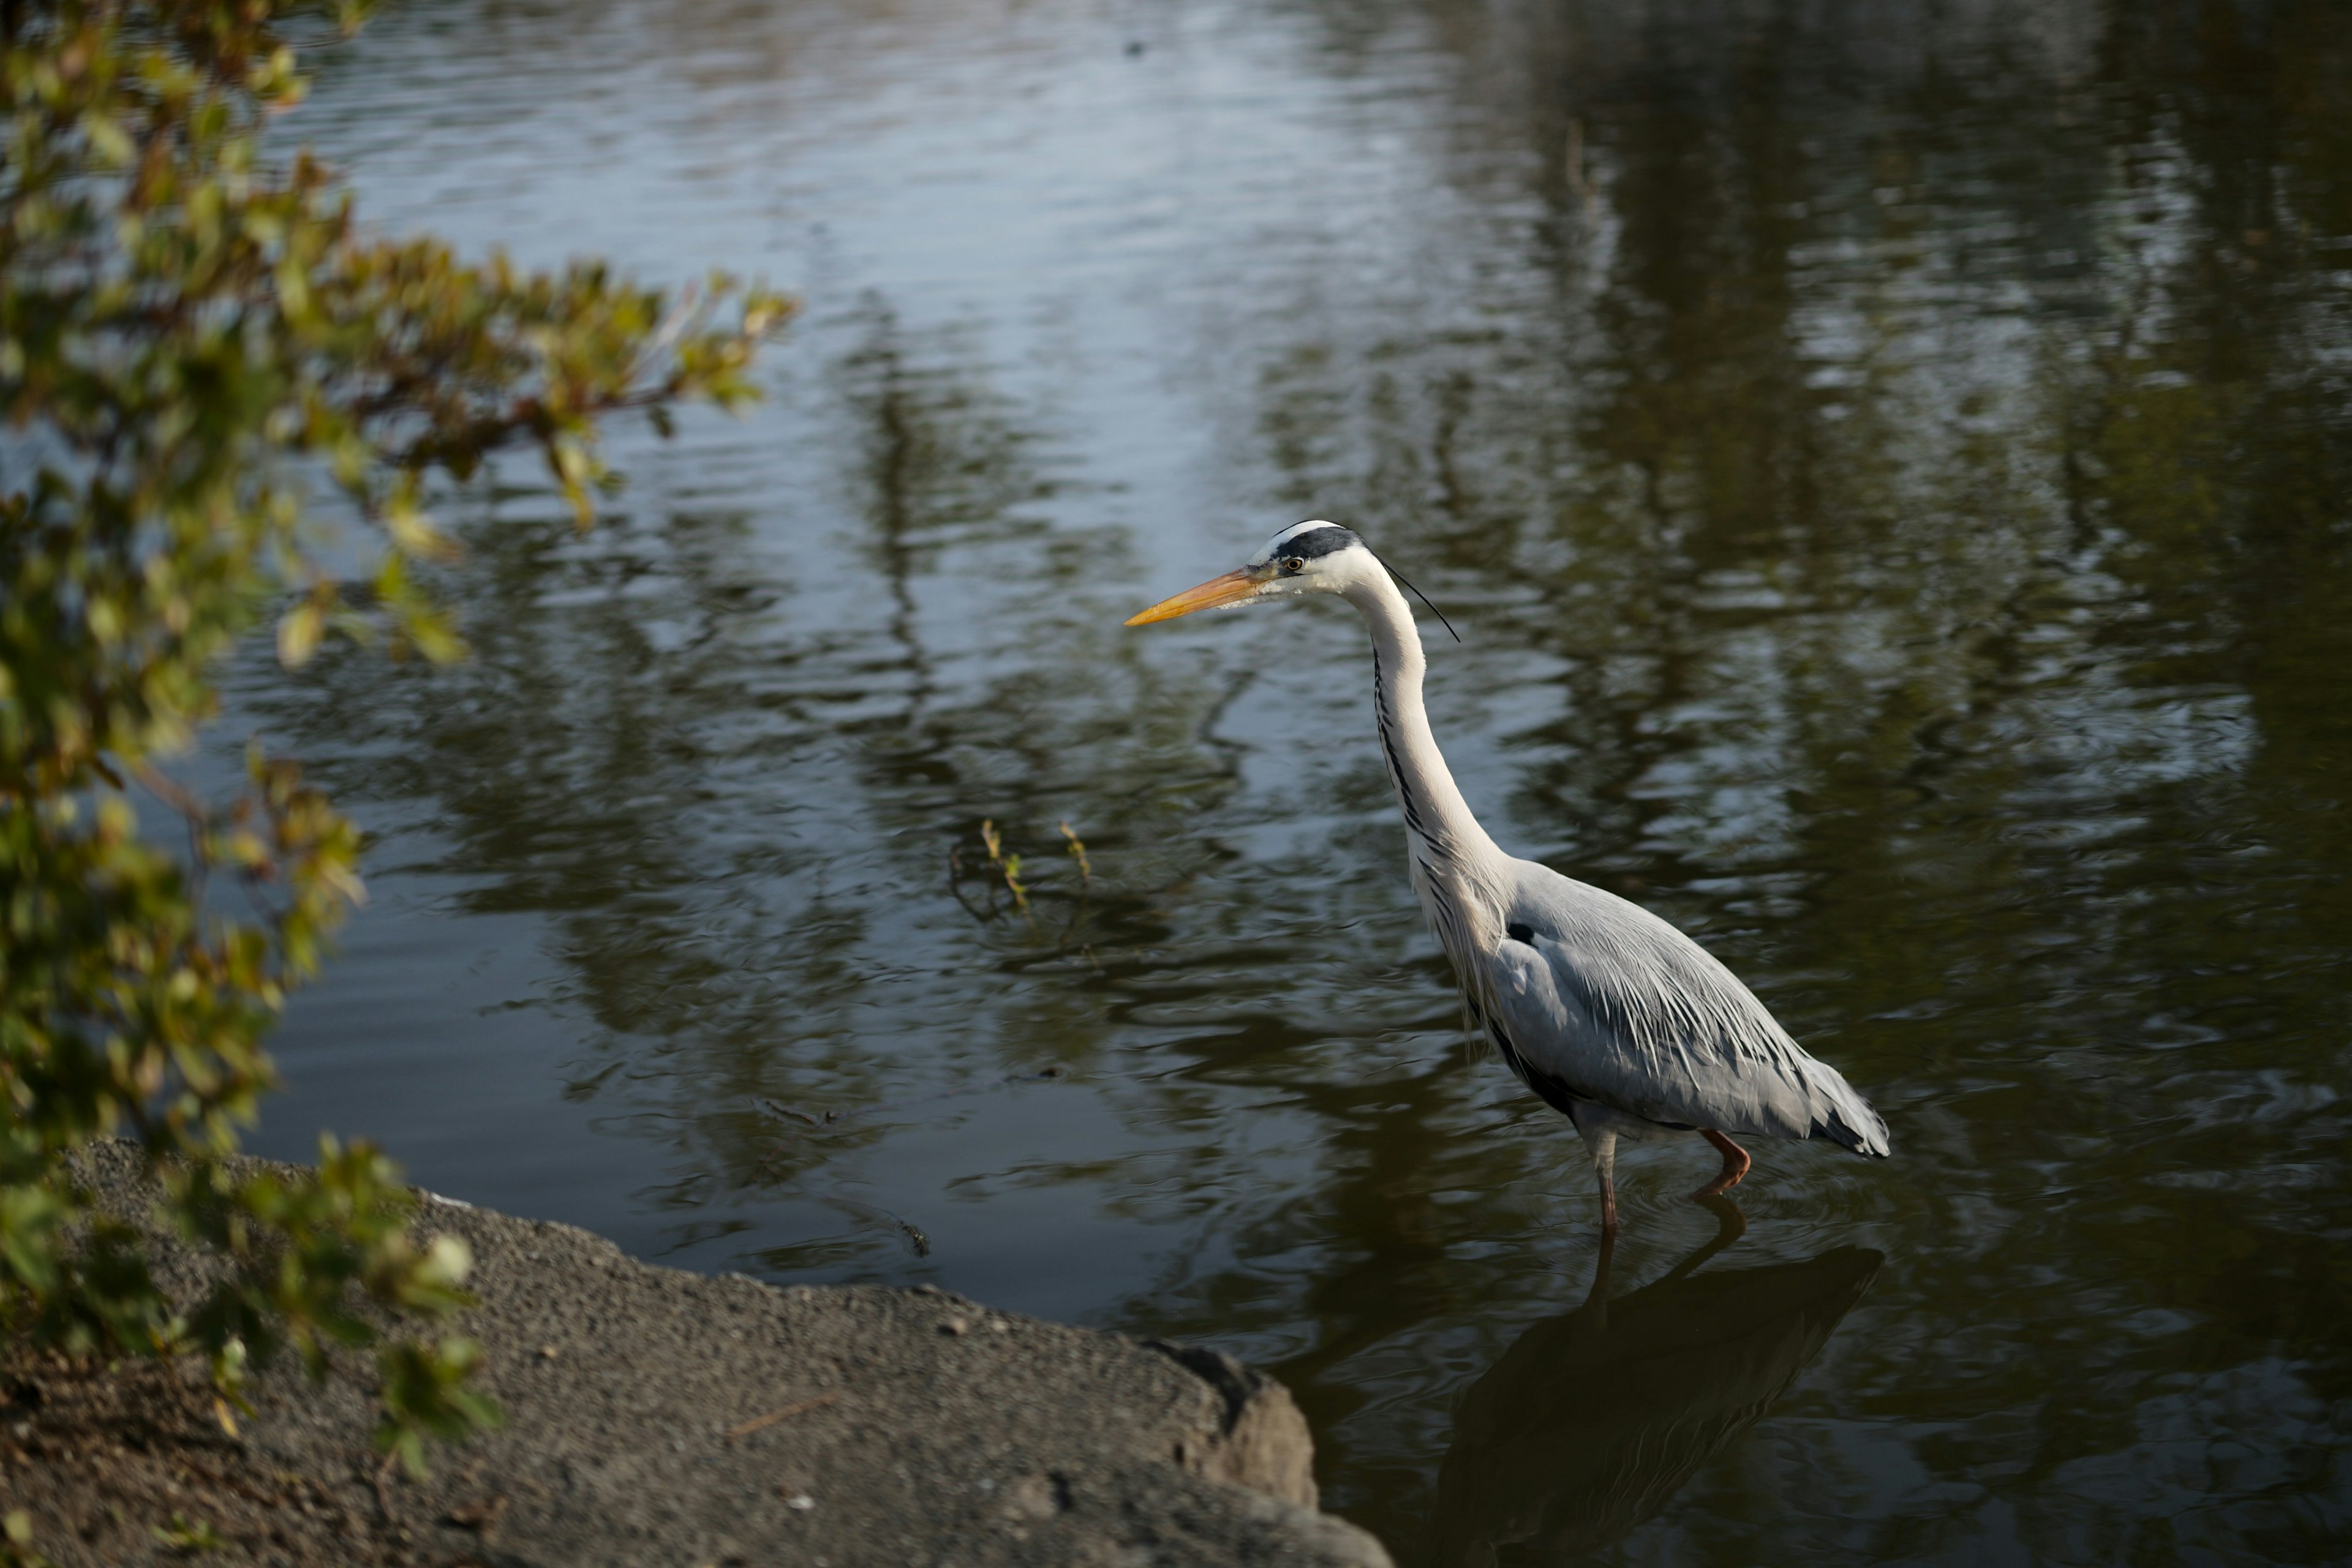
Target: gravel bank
[(659, 1417)]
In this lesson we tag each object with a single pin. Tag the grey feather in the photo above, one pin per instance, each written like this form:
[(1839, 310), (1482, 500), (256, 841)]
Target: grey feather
[(1618, 1008)]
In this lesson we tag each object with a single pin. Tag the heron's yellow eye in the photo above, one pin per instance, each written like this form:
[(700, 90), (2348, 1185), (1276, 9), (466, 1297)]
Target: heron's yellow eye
[(1295, 563)]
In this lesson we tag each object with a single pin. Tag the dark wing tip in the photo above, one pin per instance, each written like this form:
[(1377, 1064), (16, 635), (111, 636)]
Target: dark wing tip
[(1833, 1128)]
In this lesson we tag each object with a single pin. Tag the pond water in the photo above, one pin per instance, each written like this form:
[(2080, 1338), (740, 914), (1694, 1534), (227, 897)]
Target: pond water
[(1889, 466)]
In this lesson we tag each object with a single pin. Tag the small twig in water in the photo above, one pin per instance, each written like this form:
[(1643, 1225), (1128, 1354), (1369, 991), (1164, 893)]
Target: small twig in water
[(834, 1118), (799, 1406), (1008, 864), (1078, 848), (917, 1242)]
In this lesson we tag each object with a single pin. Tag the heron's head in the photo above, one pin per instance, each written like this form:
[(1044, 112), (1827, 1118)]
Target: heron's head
[(1313, 557)]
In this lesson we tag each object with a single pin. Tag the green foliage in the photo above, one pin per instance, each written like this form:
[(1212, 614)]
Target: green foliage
[(425, 1395), (16, 1542), (202, 354)]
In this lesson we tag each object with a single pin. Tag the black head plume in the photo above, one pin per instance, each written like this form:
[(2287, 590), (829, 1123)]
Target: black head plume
[(1417, 593)]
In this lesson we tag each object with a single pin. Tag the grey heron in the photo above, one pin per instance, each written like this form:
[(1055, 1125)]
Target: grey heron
[(1617, 1020)]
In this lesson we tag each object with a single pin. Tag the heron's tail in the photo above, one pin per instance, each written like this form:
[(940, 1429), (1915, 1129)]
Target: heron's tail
[(1844, 1117)]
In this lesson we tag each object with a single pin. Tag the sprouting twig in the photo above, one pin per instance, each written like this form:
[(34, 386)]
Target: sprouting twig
[(1078, 848), (1010, 864), (799, 1406)]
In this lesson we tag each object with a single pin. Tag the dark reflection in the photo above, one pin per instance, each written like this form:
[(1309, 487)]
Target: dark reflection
[(1591, 1422), (608, 758)]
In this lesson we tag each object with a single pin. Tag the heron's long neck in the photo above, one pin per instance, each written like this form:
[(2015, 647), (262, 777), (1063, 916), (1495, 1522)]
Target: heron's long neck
[(1434, 807)]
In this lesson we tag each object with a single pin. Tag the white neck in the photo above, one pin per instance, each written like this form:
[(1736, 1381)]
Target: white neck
[(1434, 811)]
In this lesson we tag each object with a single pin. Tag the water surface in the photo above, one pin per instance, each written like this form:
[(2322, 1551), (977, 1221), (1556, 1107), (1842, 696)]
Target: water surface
[(1888, 465)]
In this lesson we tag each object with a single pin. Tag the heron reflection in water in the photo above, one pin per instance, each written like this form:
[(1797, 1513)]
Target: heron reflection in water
[(1620, 1021), (1588, 1424)]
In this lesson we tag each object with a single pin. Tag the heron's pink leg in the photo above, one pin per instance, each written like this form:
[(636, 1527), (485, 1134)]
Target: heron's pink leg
[(1735, 1164), (1608, 1207)]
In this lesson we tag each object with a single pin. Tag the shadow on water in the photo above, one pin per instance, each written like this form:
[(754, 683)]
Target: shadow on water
[(1591, 1422)]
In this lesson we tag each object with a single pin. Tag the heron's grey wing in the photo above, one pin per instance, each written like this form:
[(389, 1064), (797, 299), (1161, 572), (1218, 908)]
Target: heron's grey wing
[(1598, 999)]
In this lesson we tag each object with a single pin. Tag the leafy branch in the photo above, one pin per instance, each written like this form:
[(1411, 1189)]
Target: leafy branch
[(199, 343)]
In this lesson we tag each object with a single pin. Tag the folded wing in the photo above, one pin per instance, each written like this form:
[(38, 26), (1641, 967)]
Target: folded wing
[(1598, 999)]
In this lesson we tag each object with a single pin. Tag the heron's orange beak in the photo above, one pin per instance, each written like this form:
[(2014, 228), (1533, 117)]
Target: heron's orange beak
[(1235, 585)]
